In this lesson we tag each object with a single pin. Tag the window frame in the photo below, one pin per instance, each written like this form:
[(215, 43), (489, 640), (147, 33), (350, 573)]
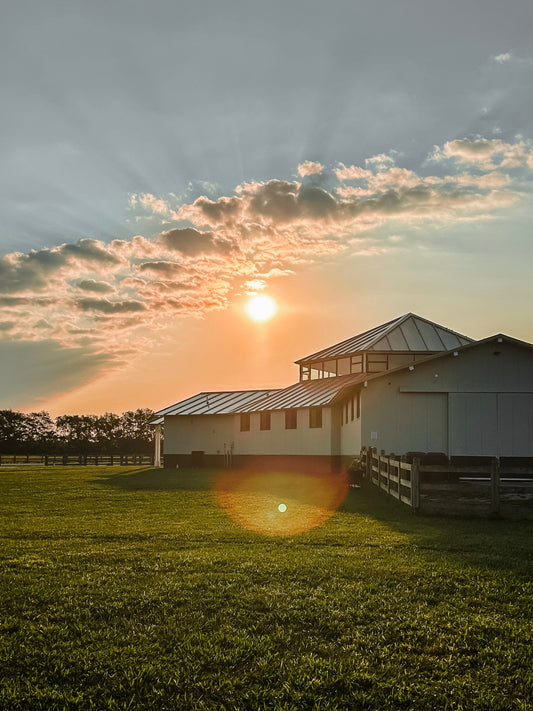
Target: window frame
[(265, 420), (315, 417), (291, 419)]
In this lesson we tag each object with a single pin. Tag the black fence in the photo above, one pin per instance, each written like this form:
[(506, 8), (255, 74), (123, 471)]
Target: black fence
[(77, 459)]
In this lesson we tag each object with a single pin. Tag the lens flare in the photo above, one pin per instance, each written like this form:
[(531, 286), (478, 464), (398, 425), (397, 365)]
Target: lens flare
[(252, 499)]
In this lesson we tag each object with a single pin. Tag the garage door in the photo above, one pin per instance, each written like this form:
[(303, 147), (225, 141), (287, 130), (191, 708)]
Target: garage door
[(491, 424)]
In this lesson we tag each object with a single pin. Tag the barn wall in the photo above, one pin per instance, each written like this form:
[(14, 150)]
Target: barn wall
[(215, 434), (350, 436), (478, 403), (208, 433), (301, 441), (400, 422)]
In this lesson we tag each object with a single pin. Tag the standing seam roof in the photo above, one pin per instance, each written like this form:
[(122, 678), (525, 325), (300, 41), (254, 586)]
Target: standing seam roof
[(409, 328)]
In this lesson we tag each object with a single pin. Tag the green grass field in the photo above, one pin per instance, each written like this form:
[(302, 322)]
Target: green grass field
[(130, 588)]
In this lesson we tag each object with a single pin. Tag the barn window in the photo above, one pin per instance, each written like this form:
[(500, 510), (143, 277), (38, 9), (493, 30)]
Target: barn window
[(343, 366), (376, 363), (315, 417), (290, 419), (264, 421), (356, 364), (245, 422), (352, 407), (358, 403)]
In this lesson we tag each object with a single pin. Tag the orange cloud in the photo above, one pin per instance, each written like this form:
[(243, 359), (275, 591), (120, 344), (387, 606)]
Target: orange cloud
[(110, 296)]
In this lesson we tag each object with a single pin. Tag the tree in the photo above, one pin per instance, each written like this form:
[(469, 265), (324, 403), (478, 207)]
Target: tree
[(12, 431), (136, 433), (40, 435), (77, 432)]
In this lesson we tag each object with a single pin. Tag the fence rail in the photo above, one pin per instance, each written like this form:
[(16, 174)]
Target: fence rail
[(397, 478), (488, 489), (76, 459)]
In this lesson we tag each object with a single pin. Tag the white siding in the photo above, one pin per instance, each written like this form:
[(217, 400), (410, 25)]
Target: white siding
[(478, 403), (473, 424), (208, 433), (212, 433), (515, 424), (350, 437), (402, 422), (491, 424), (278, 440)]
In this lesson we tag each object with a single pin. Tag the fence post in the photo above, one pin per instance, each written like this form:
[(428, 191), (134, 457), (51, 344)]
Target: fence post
[(388, 475), (415, 484), (495, 486)]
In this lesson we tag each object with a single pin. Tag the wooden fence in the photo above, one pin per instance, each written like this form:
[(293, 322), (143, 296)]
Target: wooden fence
[(397, 478), (76, 459), (486, 489)]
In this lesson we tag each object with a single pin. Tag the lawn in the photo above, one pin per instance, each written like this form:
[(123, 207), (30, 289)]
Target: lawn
[(131, 588)]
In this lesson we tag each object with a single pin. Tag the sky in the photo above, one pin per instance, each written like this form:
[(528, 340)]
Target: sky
[(164, 161)]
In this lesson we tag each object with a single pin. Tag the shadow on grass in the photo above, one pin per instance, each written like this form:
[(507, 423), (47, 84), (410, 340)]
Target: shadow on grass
[(481, 542), (156, 479)]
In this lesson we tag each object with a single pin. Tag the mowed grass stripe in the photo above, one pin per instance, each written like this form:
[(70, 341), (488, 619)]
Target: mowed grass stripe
[(130, 588)]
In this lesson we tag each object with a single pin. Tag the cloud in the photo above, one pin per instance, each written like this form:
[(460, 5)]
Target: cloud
[(110, 307), (502, 58), (310, 168), (114, 297), (353, 172), (19, 272), (48, 369), (486, 154), (191, 242), (100, 287)]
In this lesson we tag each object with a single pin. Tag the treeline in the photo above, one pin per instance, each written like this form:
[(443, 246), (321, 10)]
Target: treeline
[(38, 433)]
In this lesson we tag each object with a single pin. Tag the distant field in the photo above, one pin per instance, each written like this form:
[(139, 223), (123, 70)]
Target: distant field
[(130, 588)]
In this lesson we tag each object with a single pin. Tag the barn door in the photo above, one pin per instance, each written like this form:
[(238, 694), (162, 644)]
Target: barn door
[(515, 424), (491, 424), (473, 424)]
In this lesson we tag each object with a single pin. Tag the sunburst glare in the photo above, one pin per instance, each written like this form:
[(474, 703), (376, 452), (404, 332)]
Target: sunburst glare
[(261, 307)]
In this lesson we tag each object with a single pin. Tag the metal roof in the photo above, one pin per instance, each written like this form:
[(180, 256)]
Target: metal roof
[(212, 403), (408, 333), (310, 393)]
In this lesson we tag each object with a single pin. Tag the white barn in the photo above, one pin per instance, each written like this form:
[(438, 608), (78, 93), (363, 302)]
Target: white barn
[(407, 385)]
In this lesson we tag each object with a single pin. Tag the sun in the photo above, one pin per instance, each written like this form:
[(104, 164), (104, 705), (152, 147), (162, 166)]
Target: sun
[(261, 308)]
